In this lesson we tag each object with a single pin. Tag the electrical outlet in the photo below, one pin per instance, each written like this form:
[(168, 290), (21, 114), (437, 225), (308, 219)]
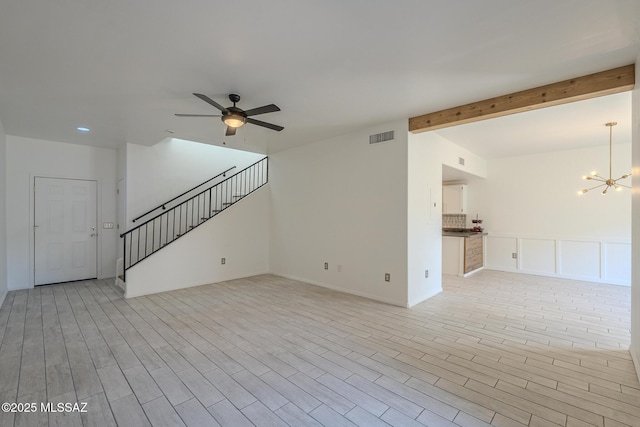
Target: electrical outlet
[(514, 255), (387, 277), (426, 274), (326, 265), (223, 261)]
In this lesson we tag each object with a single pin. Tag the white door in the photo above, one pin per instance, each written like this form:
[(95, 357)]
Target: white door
[(65, 230)]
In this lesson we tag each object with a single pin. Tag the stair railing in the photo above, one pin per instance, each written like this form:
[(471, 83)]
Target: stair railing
[(156, 233), (163, 206)]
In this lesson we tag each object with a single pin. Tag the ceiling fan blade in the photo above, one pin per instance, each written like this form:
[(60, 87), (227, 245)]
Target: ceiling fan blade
[(210, 101), (264, 124), (271, 108), (230, 131), (198, 115)]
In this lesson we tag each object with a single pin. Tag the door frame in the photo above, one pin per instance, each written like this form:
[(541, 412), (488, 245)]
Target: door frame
[(32, 207)]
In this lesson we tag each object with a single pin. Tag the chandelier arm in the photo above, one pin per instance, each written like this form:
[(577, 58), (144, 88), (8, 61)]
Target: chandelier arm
[(622, 185), (598, 178), (597, 186)]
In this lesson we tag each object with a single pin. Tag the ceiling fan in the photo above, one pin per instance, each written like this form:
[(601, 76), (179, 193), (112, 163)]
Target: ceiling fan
[(234, 117)]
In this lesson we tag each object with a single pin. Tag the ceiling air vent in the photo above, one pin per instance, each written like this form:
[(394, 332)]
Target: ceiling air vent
[(382, 137), (461, 161)]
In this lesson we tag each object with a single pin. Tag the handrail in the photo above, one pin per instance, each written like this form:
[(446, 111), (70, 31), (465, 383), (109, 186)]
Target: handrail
[(177, 197), (152, 235)]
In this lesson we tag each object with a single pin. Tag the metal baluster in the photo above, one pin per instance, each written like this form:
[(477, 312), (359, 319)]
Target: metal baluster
[(124, 258), (146, 239), (138, 240)]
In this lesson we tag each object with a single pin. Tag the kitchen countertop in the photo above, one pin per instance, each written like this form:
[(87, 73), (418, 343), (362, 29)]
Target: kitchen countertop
[(466, 233)]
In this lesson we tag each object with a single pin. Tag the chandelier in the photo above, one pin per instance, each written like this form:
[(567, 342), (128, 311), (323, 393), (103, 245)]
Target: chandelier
[(610, 182)]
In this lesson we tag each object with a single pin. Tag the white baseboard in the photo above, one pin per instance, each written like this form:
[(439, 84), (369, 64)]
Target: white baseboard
[(2, 297), (20, 288), (473, 272), (345, 290), (129, 293), (636, 362), (557, 276), (423, 298)]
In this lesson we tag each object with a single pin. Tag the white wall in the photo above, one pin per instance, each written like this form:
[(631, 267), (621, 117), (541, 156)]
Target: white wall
[(424, 214), (344, 202), (3, 224), (158, 173), (635, 287), (427, 153), (530, 206), (27, 158), (239, 234)]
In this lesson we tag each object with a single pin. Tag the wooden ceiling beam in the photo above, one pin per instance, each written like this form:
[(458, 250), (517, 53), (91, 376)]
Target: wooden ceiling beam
[(603, 83)]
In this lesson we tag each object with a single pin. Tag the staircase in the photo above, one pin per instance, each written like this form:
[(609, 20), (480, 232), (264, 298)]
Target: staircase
[(173, 223)]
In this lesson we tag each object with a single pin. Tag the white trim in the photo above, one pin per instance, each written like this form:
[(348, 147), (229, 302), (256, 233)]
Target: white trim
[(133, 294), (560, 276), (472, 272), (636, 362), (423, 298), (345, 290), (601, 277), (3, 297), (565, 238)]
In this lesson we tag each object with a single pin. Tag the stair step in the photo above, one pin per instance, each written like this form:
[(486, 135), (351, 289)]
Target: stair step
[(204, 218), (216, 211), (238, 196), (191, 227)]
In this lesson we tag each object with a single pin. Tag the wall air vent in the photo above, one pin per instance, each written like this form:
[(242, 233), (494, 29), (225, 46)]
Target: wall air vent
[(461, 161), (382, 137)]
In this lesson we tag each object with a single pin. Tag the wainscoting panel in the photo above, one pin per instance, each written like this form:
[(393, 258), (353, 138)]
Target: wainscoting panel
[(591, 260), (538, 255), (580, 260), (617, 262), (499, 250)]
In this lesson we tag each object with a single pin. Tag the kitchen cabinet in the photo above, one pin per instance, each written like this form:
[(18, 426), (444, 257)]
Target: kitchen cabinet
[(473, 254), (451, 256), (464, 255), (454, 199)]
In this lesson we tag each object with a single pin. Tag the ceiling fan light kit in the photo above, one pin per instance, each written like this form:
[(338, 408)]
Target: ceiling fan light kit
[(234, 120), (234, 117), (607, 183)]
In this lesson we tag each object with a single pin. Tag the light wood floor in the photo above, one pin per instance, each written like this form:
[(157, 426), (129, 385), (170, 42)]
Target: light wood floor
[(497, 348)]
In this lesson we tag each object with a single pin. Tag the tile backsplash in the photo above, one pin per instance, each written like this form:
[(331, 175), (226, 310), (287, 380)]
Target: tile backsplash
[(454, 220)]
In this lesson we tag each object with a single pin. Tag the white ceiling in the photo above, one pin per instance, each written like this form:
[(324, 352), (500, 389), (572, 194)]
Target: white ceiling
[(123, 67), (563, 127)]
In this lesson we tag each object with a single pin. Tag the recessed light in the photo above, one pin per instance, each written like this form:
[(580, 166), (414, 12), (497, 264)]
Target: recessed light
[(83, 129)]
